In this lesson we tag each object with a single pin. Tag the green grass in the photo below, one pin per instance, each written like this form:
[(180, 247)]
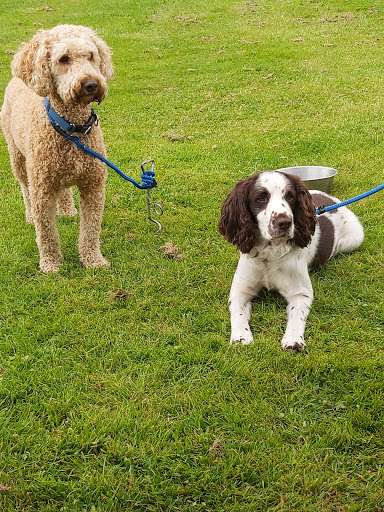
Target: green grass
[(138, 403)]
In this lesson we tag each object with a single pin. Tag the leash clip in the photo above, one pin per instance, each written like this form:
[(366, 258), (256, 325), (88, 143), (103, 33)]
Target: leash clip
[(320, 209)]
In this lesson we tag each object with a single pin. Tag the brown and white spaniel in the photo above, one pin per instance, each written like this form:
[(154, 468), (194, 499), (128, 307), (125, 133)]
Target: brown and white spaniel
[(271, 218)]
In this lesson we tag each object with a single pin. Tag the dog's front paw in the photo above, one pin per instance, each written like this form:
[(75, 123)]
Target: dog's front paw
[(94, 261), (48, 265), (242, 338), (69, 211), (293, 344)]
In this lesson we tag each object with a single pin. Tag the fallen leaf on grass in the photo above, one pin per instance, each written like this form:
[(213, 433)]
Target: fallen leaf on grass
[(172, 251), (119, 294), (4, 488), (216, 448), (171, 135)]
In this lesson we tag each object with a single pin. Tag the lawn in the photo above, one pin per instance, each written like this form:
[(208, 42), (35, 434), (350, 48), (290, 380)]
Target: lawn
[(118, 388)]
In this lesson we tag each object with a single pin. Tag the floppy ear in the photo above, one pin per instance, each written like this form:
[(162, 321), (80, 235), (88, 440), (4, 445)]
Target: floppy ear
[(32, 64), (105, 54), (304, 213), (237, 224)]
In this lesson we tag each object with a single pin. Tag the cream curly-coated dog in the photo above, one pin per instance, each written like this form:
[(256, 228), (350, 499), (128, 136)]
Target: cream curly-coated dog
[(70, 65)]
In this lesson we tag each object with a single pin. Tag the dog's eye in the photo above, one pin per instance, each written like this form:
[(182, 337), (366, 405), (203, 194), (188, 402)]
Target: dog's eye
[(263, 197), (64, 59), (90, 56), (289, 197)]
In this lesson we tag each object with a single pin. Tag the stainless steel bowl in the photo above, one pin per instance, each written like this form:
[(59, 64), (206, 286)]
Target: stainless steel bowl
[(315, 177)]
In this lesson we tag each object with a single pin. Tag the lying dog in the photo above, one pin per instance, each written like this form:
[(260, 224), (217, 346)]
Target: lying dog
[(271, 218), (70, 66)]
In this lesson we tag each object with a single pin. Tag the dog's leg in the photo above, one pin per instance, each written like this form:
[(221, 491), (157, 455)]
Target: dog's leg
[(91, 212), (17, 159), (65, 205), (245, 287), (240, 307), (299, 303), (20, 173), (349, 231), (47, 235)]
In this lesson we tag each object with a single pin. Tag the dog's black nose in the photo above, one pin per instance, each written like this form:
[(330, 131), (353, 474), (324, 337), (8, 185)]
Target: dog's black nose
[(90, 85), (283, 222)]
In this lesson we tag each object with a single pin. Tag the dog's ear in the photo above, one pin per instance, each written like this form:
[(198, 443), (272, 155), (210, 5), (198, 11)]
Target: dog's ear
[(32, 64), (237, 224), (304, 213), (105, 54)]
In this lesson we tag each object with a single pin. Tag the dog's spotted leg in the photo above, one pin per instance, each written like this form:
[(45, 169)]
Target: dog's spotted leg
[(245, 286), (240, 315), (297, 312)]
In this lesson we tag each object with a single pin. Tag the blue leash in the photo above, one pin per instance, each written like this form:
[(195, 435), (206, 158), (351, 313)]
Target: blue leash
[(322, 209), (147, 177), (148, 181)]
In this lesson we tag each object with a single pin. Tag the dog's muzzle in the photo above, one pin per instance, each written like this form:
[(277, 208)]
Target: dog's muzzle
[(281, 226)]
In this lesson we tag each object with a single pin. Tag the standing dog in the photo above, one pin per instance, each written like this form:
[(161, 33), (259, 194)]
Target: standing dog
[(70, 66), (271, 218)]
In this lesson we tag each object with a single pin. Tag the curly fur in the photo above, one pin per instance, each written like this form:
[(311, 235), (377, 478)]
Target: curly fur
[(70, 65)]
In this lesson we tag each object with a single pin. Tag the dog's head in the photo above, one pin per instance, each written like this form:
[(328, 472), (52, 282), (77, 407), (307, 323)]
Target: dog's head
[(69, 61), (268, 206)]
